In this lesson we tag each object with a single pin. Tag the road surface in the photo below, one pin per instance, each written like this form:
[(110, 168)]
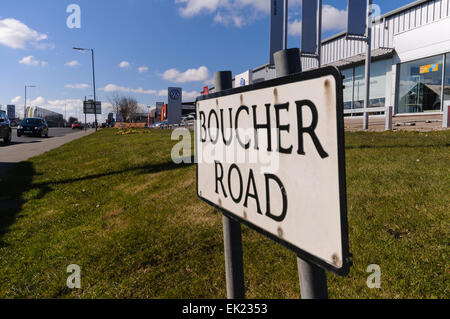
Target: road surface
[(23, 148)]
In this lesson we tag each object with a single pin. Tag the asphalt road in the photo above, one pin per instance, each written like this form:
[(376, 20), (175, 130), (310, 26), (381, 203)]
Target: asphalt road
[(23, 148), (53, 132)]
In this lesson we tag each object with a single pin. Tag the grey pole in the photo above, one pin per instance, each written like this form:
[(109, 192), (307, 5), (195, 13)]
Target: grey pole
[(93, 80), (368, 62), (313, 279), (25, 107), (232, 235), (95, 95), (286, 17), (319, 34)]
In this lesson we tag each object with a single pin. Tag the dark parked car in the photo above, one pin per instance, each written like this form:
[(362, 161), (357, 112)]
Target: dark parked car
[(33, 126), (5, 128)]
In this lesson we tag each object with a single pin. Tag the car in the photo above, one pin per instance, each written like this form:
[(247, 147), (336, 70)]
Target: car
[(35, 126), (188, 120), (77, 125), (158, 125), (5, 128)]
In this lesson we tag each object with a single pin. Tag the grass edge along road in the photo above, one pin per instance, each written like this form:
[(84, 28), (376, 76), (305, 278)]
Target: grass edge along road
[(119, 208)]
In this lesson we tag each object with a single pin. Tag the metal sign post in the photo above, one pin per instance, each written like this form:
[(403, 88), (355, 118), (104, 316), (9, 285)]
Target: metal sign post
[(360, 29), (313, 280), (368, 62), (232, 235), (278, 25), (311, 43)]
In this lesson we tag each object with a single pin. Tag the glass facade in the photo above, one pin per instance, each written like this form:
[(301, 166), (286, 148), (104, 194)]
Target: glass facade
[(355, 85), (420, 85), (348, 90), (447, 78)]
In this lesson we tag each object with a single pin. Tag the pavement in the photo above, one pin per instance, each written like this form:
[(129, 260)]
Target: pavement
[(422, 123), (24, 148)]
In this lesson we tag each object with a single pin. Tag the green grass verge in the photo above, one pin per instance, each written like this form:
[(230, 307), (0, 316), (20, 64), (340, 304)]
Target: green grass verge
[(119, 208)]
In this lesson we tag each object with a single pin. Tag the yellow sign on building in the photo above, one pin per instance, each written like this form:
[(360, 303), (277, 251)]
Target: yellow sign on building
[(429, 68)]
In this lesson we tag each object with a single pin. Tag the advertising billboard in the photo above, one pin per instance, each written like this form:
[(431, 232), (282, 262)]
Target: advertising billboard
[(11, 111), (175, 97)]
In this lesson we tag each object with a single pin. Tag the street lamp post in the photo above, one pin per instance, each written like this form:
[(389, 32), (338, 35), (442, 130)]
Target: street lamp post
[(25, 107), (93, 80)]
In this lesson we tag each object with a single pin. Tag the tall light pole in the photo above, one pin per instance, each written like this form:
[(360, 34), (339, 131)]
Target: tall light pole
[(25, 107), (93, 80)]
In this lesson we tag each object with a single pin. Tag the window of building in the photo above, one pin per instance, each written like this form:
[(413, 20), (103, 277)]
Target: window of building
[(420, 85), (447, 79), (378, 78), (360, 87), (348, 90)]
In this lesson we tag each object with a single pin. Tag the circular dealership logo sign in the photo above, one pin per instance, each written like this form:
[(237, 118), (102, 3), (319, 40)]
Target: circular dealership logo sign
[(175, 94)]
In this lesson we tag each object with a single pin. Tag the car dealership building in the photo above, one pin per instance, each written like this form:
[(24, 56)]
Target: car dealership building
[(410, 68)]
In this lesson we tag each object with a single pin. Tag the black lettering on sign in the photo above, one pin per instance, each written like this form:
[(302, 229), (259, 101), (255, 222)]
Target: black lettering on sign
[(214, 141), (280, 128), (242, 108), (241, 186), (227, 141), (219, 179), (282, 216), (203, 126), (251, 182), (262, 126), (308, 130)]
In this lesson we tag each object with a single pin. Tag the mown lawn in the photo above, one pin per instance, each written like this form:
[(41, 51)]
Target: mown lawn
[(120, 209)]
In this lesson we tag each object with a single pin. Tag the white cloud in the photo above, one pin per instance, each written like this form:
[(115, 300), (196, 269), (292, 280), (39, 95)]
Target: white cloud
[(195, 7), (16, 35), (190, 95), (163, 93), (73, 107), (116, 88), (72, 64), (39, 101), (191, 75), (16, 100), (143, 69), (77, 86), (229, 12), (333, 19), (209, 82), (295, 27), (124, 64), (243, 12), (30, 60)]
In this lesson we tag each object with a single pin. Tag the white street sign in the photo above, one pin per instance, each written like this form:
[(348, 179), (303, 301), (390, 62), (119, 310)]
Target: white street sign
[(286, 178)]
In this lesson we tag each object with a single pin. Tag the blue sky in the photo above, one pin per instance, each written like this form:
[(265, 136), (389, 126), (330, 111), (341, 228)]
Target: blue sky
[(141, 46)]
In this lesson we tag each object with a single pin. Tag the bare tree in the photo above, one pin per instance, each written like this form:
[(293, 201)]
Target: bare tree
[(114, 99), (126, 106), (72, 120), (133, 107)]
